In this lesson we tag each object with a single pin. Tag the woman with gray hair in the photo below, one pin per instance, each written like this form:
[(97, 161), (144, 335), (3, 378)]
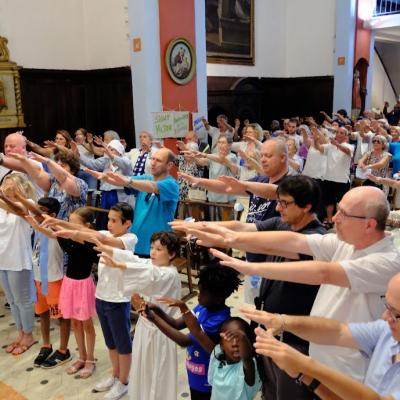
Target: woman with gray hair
[(377, 160)]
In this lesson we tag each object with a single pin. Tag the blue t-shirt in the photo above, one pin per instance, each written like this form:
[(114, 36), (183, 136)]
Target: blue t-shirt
[(153, 211), (227, 380), (197, 359)]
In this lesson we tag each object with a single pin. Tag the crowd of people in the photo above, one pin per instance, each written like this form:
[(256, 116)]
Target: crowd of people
[(326, 321)]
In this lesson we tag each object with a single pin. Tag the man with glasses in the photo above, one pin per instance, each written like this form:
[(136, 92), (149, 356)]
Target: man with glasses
[(352, 266), (378, 342), (297, 198)]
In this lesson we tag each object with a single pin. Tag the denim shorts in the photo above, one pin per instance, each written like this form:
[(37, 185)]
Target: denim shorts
[(116, 325)]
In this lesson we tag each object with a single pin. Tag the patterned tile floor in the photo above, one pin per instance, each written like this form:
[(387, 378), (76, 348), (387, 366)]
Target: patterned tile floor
[(20, 380)]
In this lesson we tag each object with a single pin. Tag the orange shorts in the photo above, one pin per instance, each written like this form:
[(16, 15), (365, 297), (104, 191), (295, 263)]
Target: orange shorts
[(48, 302)]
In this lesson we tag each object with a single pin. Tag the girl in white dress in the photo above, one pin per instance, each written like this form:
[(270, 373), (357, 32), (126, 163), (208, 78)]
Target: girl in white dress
[(154, 369)]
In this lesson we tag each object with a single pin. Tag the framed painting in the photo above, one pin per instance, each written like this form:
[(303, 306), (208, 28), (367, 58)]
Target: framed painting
[(230, 31), (180, 59)]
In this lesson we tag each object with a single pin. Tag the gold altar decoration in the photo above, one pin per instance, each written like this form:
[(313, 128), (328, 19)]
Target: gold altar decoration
[(11, 115)]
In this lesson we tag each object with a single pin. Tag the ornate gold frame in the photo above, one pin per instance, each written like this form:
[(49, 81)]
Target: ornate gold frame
[(173, 44), (11, 115)]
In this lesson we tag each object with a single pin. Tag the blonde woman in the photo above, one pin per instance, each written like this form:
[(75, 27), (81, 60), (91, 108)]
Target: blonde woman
[(16, 258)]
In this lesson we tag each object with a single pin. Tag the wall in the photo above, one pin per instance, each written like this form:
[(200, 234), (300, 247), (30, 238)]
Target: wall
[(72, 35), (310, 40), (381, 88), (288, 42)]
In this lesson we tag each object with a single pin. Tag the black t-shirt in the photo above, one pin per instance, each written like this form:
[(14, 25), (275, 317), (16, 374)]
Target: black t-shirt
[(287, 297), (81, 258), (260, 209)]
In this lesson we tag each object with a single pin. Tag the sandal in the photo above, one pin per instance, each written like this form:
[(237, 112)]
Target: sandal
[(22, 348), (88, 370), (75, 367), (10, 348)]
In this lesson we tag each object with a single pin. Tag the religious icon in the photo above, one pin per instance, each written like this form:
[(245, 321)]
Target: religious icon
[(181, 61)]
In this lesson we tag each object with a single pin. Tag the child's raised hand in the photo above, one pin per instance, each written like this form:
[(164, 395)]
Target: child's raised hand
[(65, 233), (102, 248), (169, 301), (110, 262), (138, 303), (239, 338)]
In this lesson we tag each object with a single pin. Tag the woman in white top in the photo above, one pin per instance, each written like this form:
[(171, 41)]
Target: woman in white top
[(16, 259)]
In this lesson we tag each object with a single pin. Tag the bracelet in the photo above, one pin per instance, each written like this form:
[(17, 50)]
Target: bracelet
[(312, 387)]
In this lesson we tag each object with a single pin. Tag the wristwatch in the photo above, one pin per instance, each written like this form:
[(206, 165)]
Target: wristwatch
[(313, 385)]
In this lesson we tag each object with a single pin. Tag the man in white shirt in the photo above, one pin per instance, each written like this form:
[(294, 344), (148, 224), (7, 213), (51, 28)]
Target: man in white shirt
[(223, 129), (352, 266), (337, 177)]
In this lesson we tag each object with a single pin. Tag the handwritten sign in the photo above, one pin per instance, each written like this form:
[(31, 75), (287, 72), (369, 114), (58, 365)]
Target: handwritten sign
[(170, 124)]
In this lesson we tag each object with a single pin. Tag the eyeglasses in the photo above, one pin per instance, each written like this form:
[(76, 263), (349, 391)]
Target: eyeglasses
[(343, 214), (393, 313), (284, 203), (376, 141)]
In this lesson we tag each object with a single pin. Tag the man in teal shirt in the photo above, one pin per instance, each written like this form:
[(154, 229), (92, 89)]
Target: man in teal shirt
[(157, 196)]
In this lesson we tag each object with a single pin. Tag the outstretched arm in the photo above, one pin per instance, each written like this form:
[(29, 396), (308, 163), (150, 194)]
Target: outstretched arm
[(313, 329), (311, 272), (333, 384), (191, 322)]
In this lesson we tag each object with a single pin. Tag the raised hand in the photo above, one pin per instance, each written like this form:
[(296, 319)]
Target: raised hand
[(98, 140), (102, 248), (138, 303), (116, 179), (39, 158), (284, 356), (74, 148), (240, 266), (98, 175), (110, 262), (191, 179), (275, 322), (65, 233), (234, 185), (171, 302)]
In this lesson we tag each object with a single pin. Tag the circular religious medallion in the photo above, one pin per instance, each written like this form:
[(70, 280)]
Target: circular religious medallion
[(181, 61)]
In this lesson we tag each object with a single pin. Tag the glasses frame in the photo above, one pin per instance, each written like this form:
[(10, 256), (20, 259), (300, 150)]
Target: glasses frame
[(283, 203), (395, 317), (343, 214)]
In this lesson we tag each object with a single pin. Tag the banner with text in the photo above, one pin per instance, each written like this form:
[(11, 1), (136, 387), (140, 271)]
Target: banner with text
[(170, 124)]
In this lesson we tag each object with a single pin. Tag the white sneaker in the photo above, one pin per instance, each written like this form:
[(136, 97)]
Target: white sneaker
[(117, 391), (105, 384)]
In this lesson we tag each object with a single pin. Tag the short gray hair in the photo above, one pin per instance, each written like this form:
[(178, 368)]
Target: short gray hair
[(114, 135), (378, 210)]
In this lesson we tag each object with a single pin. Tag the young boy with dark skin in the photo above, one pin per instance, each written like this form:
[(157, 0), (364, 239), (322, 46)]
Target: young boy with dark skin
[(215, 286)]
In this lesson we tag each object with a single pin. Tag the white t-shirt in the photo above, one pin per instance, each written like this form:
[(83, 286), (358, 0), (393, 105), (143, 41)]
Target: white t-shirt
[(15, 243), (315, 164), (369, 271), (55, 261), (338, 163), (110, 286)]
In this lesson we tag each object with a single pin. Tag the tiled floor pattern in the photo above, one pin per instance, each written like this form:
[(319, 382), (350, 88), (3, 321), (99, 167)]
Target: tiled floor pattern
[(20, 380)]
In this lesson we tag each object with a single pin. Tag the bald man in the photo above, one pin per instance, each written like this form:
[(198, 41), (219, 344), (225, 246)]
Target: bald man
[(157, 196), (15, 143), (352, 266), (378, 341)]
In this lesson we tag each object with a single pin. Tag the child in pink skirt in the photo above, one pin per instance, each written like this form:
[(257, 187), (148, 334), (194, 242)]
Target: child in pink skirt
[(77, 296)]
